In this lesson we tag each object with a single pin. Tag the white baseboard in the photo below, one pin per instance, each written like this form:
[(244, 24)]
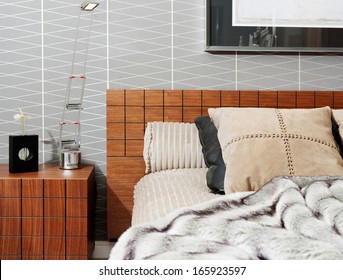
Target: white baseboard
[(102, 250)]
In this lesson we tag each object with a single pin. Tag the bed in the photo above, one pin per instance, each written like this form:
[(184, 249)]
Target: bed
[(129, 115)]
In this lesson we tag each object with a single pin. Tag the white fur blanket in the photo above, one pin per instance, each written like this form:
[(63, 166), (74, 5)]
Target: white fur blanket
[(288, 218)]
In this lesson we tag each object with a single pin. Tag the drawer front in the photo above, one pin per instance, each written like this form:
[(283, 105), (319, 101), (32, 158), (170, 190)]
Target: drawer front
[(46, 216), (54, 226), (10, 187), (32, 226), (54, 207), (32, 246), (10, 226), (10, 245), (76, 226), (32, 207), (10, 207), (77, 207)]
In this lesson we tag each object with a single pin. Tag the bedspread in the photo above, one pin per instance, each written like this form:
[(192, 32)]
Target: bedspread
[(288, 218)]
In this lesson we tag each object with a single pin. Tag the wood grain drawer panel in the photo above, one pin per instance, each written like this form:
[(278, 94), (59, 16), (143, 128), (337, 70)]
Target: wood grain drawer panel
[(32, 226), (134, 97), (229, 98), (32, 188), (125, 168), (115, 114), (190, 113), (10, 226), (305, 99), (115, 131), (173, 98), (172, 114), (10, 207), (10, 257), (33, 257), (338, 99), (211, 98), (10, 188), (54, 246), (324, 98), (54, 226), (10, 245), (76, 257), (154, 98), (54, 257), (54, 188), (76, 246), (153, 114), (134, 148), (76, 226), (268, 99), (134, 114), (76, 207), (76, 188), (115, 148), (115, 97), (287, 99), (135, 130), (32, 207), (54, 207), (32, 245), (33, 221), (249, 99), (192, 98)]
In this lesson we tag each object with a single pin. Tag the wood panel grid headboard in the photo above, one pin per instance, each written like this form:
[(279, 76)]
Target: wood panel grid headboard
[(128, 111)]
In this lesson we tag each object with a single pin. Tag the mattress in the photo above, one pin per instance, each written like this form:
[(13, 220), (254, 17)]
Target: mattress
[(158, 194)]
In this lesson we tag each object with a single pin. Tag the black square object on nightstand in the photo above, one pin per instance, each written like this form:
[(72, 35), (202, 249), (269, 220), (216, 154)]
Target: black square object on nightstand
[(23, 153)]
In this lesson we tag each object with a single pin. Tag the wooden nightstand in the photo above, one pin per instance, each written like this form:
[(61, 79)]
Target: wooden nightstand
[(47, 214)]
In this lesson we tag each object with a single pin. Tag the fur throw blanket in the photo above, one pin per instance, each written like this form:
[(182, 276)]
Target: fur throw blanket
[(288, 218)]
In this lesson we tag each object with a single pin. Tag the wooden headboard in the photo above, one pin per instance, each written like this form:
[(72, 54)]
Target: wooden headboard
[(128, 111)]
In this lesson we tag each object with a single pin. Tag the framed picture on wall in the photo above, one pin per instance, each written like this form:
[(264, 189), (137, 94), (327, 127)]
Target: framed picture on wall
[(232, 26)]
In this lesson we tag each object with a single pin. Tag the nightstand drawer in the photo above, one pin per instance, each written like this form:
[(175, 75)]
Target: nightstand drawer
[(77, 207), (10, 245), (10, 226), (32, 226), (10, 207), (77, 227), (47, 214), (32, 207), (54, 226)]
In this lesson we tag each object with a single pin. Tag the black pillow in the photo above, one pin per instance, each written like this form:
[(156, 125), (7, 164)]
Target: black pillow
[(337, 136), (212, 154)]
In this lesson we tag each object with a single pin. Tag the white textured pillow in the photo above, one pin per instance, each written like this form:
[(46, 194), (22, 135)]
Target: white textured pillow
[(172, 145), (261, 143)]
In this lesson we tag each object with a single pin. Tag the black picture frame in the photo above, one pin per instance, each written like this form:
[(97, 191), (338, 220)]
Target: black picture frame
[(222, 37)]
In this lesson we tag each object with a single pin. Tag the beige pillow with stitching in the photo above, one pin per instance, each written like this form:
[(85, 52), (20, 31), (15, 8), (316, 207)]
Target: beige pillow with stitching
[(261, 143)]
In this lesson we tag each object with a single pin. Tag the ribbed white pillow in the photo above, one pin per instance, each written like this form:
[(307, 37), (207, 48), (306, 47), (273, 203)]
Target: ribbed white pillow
[(172, 145)]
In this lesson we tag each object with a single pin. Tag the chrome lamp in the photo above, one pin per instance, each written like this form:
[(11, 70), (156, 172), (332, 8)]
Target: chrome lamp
[(70, 125)]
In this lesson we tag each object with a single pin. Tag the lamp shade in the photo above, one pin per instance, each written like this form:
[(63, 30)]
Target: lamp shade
[(89, 6)]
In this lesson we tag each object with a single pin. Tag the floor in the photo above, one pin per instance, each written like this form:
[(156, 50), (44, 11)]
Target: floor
[(102, 250)]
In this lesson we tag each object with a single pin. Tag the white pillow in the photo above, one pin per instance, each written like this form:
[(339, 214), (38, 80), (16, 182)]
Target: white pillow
[(172, 145)]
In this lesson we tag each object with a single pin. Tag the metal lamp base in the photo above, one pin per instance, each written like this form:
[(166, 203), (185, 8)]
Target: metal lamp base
[(70, 160)]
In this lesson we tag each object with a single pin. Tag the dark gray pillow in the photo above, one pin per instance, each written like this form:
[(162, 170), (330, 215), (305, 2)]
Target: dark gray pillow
[(212, 154), (337, 136)]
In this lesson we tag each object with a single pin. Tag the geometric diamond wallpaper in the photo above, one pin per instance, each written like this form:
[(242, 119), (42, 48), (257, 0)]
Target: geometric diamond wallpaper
[(155, 44)]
